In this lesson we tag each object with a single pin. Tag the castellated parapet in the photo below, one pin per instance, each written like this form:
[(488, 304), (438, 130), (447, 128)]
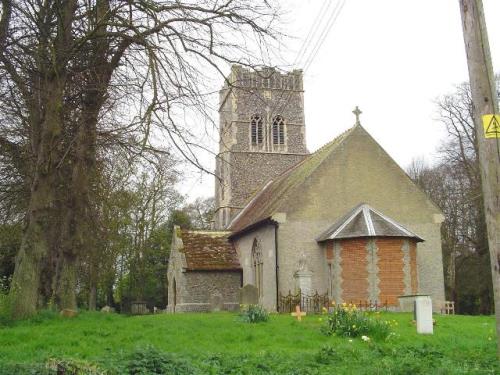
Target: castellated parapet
[(262, 134)]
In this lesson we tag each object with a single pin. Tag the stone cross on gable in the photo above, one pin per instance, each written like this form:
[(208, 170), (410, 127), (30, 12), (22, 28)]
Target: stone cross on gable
[(357, 112)]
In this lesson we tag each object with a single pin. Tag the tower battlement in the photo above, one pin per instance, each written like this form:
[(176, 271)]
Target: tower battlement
[(265, 78)]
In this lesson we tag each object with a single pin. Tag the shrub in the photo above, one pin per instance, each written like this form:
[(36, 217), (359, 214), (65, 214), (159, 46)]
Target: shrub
[(72, 367), (347, 320), (53, 367), (148, 361), (254, 314), (326, 355)]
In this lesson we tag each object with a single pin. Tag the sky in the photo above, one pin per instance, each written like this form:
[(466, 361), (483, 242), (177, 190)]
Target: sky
[(392, 58)]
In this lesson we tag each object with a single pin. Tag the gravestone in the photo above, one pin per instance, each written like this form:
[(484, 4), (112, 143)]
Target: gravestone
[(249, 295), (216, 302), (303, 276), (423, 315), (107, 309)]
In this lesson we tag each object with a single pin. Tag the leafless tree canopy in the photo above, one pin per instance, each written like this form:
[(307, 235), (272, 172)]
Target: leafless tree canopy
[(454, 183), (81, 77)]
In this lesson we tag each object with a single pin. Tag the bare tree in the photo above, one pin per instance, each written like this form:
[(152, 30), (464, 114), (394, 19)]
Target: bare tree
[(78, 75), (454, 184)]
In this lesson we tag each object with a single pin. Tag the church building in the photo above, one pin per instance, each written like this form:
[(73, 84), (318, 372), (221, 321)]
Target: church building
[(345, 221)]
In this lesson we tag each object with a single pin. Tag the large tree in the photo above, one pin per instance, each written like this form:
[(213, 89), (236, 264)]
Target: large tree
[(77, 76)]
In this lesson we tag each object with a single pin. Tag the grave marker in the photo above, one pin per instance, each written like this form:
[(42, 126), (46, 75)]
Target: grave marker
[(249, 295), (298, 314), (216, 302), (423, 315)]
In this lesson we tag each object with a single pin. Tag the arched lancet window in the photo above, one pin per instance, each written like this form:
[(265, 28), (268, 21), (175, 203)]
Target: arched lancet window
[(256, 129), (278, 130), (258, 267)]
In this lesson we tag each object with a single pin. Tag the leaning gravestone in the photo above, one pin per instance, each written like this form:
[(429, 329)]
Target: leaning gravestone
[(249, 295), (216, 302)]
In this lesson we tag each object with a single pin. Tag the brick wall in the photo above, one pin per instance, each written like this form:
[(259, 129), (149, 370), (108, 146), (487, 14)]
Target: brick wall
[(354, 270), (391, 273), (413, 269)]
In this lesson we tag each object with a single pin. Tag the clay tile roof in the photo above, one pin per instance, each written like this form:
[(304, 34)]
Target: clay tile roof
[(209, 251), (365, 221), (272, 196)]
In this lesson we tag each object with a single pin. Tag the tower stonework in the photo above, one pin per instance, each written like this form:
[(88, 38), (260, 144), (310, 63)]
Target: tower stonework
[(262, 134)]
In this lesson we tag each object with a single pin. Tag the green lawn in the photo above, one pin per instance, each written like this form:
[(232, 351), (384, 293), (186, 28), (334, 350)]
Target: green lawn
[(221, 344)]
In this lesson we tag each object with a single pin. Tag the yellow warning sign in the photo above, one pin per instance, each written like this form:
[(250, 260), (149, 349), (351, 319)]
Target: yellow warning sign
[(491, 125)]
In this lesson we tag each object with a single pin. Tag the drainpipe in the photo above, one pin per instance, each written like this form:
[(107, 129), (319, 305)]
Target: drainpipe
[(277, 265)]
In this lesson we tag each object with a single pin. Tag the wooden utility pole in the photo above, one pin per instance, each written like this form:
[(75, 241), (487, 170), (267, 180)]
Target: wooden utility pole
[(485, 102)]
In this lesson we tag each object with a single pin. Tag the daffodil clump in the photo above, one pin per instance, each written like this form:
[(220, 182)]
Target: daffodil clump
[(253, 314), (348, 321)]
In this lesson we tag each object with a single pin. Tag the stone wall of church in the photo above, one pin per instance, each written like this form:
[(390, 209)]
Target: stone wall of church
[(294, 239), (357, 171), (199, 287), (193, 290), (266, 236), (251, 171)]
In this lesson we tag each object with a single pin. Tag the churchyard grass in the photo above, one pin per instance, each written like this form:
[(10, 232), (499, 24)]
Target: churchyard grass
[(220, 343)]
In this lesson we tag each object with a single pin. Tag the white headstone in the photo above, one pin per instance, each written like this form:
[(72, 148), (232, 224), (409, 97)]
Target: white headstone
[(423, 312)]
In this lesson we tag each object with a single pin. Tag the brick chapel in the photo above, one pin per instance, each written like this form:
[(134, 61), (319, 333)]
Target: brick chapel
[(345, 221)]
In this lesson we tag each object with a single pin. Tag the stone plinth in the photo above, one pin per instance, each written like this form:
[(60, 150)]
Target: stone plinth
[(303, 282)]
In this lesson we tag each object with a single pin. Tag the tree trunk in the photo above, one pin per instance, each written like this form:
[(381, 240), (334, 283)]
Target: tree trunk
[(43, 215), (92, 297), (66, 286)]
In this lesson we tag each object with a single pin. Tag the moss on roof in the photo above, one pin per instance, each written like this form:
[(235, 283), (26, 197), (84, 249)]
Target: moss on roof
[(209, 251)]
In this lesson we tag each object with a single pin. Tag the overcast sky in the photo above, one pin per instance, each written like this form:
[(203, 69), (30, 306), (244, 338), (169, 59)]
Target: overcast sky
[(392, 58)]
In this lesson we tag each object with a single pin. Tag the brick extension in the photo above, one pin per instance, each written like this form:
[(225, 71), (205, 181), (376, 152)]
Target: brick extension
[(354, 270)]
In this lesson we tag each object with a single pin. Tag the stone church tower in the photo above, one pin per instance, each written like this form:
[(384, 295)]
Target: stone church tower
[(262, 134)]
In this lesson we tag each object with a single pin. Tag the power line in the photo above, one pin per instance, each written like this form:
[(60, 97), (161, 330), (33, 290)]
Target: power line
[(326, 31), (317, 46), (323, 11), (308, 41), (318, 20)]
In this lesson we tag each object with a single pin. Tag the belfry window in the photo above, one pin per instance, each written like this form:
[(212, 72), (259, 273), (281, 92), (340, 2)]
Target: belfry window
[(256, 129), (278, 130), (258, 267)]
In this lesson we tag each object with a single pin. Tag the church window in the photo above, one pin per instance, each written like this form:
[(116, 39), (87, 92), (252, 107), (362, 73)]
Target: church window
[(278, 130), (258, 267), (256, 129)]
